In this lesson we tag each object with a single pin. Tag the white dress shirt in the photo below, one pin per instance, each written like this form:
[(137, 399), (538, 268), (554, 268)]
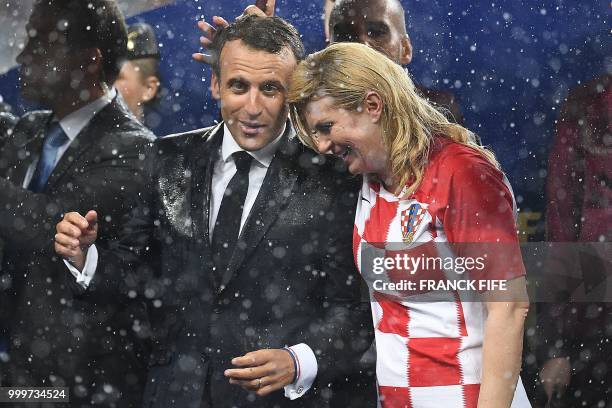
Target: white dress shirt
[(223, 171), (225, 168)]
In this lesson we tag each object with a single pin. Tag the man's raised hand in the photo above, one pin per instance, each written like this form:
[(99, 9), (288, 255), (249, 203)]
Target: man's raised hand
[(260, 8), (208, 33), (75, 234), (264, 8)]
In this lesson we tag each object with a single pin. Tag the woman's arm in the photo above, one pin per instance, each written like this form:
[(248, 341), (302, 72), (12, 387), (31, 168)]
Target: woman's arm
[(503, 344)]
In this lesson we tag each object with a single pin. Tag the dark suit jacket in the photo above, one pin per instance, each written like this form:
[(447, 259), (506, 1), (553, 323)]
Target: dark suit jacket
[(292, 279), (445, 101), (58, 338)]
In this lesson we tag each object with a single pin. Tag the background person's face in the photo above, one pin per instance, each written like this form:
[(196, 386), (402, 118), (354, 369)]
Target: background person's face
[(132, 86), (48, 67), (375, 23), (252, 89)]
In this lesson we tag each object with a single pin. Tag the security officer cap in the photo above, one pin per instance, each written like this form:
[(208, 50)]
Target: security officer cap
[(141, 42)]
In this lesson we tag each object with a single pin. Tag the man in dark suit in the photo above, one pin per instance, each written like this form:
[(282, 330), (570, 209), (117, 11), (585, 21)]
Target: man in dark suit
[(248, 237), (86, 152)]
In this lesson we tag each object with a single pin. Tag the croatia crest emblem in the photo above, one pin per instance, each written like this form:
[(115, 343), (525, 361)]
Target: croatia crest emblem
[(410, 221)]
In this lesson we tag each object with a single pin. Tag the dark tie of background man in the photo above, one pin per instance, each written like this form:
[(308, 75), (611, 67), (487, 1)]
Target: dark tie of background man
[(227, 226), (54, 140)]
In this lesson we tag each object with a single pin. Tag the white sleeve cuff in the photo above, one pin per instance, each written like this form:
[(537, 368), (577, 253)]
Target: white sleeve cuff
[(306, 371), (84, 277)]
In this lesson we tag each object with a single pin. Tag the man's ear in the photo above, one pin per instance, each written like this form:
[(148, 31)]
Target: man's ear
[(215, 86), (406, 51), (152, 85), (93, 62), (373, 105)]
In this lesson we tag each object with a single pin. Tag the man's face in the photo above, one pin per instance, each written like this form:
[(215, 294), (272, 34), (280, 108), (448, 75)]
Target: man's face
[(252, 88), (46, 58), (375, 23)]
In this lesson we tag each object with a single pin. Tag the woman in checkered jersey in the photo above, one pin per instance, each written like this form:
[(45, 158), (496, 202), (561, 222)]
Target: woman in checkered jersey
[(426, 184)]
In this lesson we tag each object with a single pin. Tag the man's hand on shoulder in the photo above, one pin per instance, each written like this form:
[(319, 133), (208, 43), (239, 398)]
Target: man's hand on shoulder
[(75, 234), (262, 371), (261, 8)]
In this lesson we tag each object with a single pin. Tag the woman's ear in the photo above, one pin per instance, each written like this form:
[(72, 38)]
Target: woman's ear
[(373, 105)]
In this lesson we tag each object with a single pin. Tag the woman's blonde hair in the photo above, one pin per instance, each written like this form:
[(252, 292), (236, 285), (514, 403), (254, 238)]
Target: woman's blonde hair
[(347, 72)]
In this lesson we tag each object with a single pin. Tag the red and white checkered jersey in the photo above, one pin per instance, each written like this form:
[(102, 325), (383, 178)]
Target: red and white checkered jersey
[(429, 354)]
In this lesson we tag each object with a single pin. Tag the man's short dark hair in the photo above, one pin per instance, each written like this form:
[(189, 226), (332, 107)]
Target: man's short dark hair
[(352, 6), (270, 34), (94, 24), (146, 67)]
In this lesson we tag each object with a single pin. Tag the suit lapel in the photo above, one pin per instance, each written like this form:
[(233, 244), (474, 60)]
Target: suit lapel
[(201, 160), (278, 186), (86, 138), (27, 147)]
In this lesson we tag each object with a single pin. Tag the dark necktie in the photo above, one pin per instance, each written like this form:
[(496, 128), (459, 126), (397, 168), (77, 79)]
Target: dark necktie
[(227, 225), (54, 139)]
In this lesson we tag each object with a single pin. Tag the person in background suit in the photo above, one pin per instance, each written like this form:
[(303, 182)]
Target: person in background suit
[(575, 351), (7, 120), (381, 25), (138, 81), (247, 237), (86, 152)]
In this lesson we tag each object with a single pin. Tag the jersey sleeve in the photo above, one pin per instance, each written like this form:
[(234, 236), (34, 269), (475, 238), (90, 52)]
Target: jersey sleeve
[(479, 217)]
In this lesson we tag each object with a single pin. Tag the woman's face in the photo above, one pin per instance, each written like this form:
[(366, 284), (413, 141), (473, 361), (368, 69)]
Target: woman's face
[(355, 136)]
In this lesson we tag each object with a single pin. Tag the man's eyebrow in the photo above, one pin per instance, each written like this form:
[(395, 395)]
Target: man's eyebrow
[(342, 24), (235, 79), (378, 24), (274, 82)]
